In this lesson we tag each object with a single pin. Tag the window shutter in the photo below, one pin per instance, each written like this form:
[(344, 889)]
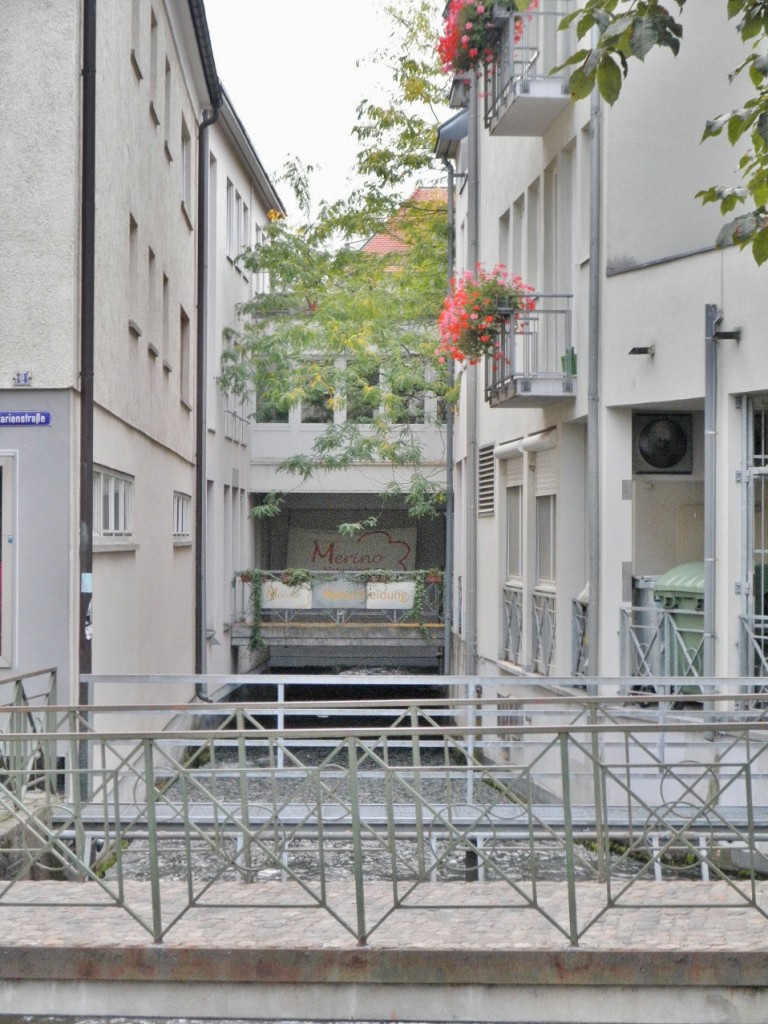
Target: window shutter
[(486, 471)]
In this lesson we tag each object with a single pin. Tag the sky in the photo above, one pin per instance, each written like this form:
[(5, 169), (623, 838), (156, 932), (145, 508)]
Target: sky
[(289, 67)]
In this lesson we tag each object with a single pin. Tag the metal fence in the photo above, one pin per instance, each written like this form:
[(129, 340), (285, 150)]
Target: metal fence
[(470, 785)]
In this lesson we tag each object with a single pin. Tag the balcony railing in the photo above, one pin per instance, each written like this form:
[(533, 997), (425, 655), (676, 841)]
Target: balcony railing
[(341, 597), (513, 624), (536, 361), (579, 640), (544, 633), (754, 645), (522, 96)]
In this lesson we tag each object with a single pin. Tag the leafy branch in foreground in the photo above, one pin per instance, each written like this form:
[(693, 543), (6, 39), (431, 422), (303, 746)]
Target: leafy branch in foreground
[(633, 30)]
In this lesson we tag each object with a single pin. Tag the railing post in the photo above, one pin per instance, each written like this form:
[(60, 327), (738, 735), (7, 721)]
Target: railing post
[(418, 808), (242, 765), (154, 869), (598, 794), (570, 871), (357, 841)]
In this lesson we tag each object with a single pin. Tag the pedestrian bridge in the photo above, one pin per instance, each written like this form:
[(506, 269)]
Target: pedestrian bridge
[(456, 858)]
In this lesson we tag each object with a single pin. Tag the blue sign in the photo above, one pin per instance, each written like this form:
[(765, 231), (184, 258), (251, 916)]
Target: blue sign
[(25, 419)]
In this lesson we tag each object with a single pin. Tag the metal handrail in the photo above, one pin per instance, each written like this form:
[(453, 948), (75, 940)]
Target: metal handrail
[(424, 788)]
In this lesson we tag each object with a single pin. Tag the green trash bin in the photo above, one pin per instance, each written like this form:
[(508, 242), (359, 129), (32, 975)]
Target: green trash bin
[(681, 592)]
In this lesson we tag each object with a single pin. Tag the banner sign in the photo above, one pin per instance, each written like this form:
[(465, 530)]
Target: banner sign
[(25, 419), (338, 594), (390, 595), (323, 550), (275, 594)]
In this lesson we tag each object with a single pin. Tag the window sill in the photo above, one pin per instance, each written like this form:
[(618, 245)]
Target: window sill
[(116, 547), (136, 66), (187, 404), (133, 329), (182, 542), (153, 114), (186, 215)]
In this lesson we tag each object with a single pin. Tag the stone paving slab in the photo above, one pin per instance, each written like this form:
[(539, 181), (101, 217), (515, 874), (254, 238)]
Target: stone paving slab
[(671, 915)]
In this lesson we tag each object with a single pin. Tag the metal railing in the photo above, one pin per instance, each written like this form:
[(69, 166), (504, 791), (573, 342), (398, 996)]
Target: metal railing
[(661, 641), (754, 645), (534, 346), (579, 638), (513, 624), (339, 597), (544, 631), (530, 46), (25, 698), (468, 789)]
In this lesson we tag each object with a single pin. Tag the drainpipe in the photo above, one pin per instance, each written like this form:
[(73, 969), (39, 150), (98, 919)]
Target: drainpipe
[(449, 489), (201, 641), (87, 290), (470, 482), (593, 383), (712, 318)]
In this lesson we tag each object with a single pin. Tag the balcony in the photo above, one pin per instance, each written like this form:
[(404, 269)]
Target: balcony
[(535, 363), (522, 97), (302, 617)]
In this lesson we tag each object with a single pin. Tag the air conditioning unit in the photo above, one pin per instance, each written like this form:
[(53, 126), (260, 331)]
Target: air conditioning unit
[(662, 442)]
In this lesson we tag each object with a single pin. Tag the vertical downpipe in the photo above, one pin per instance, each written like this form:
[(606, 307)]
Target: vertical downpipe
[(471, 375), (449, 485), (593, 385), (712, 317), (87, 291), (201, 385)]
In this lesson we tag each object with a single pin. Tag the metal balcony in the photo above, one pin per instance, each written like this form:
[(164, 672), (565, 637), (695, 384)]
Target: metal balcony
[(522, 97), (535, 362)]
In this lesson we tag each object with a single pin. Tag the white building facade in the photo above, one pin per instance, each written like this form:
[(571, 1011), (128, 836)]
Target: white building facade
[(129, 591), (589, 495)]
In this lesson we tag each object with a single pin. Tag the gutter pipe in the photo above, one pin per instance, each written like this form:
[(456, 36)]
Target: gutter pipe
[(470, 482), (197, 13), (449, 485), (593, 384), (87, 304)]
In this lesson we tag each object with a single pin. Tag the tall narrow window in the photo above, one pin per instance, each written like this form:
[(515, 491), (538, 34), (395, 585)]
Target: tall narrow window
[(182, 503), (504, 239), (514, 532), (185, 368), (231, 249), (185, 170), (546, 563), (153, 33), (136, 55), (112, 503), (133, 278), (152, 311), (166, 324), (167, 111)]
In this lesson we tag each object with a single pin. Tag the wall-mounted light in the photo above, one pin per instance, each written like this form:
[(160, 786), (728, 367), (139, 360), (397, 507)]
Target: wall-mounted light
[(643, 350)]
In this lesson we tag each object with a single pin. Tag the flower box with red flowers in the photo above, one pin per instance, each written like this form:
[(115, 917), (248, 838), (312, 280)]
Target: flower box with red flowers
[(470, 320)]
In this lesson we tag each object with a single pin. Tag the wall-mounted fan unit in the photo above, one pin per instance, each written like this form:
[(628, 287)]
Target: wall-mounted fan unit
[(662, 442)]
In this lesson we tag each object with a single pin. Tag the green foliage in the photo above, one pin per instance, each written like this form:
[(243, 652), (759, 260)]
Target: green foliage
[(633, 29)]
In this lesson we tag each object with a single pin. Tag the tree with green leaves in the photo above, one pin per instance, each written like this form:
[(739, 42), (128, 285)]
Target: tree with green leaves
[(627, 29), (347, 329)]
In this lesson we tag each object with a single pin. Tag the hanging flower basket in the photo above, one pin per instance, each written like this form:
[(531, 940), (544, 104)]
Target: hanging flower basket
[(472, 31), (470, 320)]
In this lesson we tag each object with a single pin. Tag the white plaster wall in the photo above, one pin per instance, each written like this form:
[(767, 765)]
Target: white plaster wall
[(39, 199)]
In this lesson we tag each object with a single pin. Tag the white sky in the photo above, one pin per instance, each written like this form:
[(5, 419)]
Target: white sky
[(289, 69)]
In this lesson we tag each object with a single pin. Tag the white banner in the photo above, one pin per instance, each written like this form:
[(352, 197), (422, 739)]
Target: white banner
[(275, 594), (325, 551), (390, 595)]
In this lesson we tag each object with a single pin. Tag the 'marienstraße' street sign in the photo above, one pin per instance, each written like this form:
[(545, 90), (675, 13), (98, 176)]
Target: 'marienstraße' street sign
[(25, 419)]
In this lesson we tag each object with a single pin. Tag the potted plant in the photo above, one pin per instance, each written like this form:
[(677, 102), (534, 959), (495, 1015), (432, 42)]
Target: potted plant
[(471, 33), (472, 314)]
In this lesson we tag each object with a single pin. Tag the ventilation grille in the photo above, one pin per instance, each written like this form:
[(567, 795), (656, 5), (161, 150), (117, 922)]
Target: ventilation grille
[(662, 443), (486, 472)]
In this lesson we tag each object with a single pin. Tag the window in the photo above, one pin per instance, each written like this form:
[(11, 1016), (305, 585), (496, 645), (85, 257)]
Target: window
[(167, 111), (166, 323), (182, 503), (546, 565), (153, 30), (363, 396), (133, 278), (267, 411), (185, 170), (231, 250), (514, 532), (112, 504), (184, 360)]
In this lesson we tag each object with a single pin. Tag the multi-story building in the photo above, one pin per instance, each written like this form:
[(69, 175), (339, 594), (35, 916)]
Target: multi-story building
[(128, 185), (610, 466)]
